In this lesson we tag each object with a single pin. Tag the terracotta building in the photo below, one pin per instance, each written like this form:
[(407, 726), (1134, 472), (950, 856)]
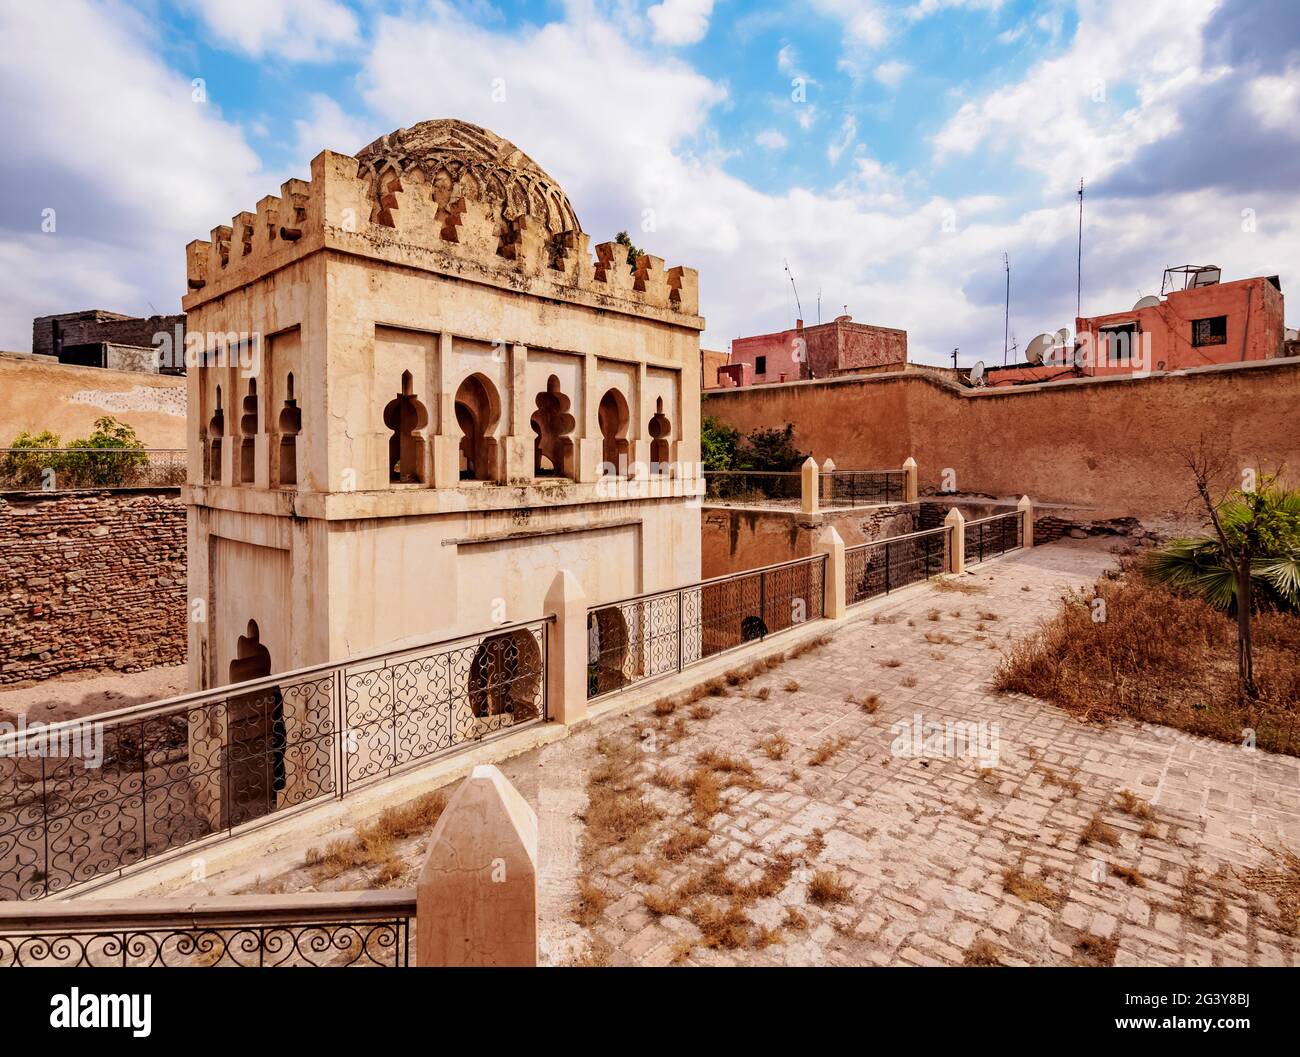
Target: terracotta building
[(1199, 321), (825, 350)]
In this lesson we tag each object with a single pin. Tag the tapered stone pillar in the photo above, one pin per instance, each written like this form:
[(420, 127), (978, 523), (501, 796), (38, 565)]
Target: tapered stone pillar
[(956, 541)]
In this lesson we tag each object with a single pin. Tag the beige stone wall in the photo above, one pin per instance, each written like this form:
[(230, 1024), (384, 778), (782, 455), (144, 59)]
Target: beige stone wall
[(38, 394)]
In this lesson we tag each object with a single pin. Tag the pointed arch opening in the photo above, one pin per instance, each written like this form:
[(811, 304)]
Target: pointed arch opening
[(613, 417), (216, 431), (552, 426), (660, 430), (255, 757), (478, 409), (406, 417), (289, 426), (248, 435)]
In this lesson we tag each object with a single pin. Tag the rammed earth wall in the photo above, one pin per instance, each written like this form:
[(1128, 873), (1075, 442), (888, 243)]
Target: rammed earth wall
[(90, 581)]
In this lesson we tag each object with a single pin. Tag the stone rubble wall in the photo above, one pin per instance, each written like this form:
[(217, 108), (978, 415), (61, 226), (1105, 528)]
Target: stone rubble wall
[(91, 581)]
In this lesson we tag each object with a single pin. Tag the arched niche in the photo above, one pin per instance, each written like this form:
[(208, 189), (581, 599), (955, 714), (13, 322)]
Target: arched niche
[(478, 410), (613, 417), (553, 426), (505, 677), (660, 430), (289, 426), (216, 431), (248, 435), (406, 417), (255, 739)]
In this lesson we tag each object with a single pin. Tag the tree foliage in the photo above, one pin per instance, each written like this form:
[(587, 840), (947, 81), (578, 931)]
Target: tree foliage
[(109, 456)]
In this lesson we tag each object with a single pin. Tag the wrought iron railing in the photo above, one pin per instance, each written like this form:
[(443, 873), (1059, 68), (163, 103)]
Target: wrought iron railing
[(72, 469), (990, 536), (863, 487), (876, 568), (746, 486), (324, 929), (641, 638), (90, 798)]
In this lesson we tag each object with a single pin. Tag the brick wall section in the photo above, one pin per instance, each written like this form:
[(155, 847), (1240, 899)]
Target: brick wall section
[(91, 581)]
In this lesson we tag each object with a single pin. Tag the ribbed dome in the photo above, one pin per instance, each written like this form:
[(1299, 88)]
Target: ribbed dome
[(461, 160)]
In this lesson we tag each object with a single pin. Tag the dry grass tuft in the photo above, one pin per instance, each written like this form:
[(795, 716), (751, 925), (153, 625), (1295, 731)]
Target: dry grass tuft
[(702, 712), (1097, 832), (1030, 889), (870, 703), (828, 749), (909, 681), (795, 919), (374, 843), (982, 952), (826, 889), (933, 614), (1095, 950), (988, 615), (1131, 804), (1129, 876), (791, 686), (1281, 881), (592, 901), (775, 746), (1161, 658), (684, 840), (809, 646), (938, 638), (763, 693), (665, 707), (959, 586), (1069, 784), (891, 662)]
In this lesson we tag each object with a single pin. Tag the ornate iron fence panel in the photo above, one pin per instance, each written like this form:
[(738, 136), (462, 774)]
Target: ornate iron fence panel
[(374, 932), (642, 638), (988, 537), (402, 709), (746, 486), (72, 469), (91, 798), (872, 569), (863, 487)]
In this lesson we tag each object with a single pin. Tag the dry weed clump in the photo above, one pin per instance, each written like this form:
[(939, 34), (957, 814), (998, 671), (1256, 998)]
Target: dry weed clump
[(775, 746), (702, 712), (1030, 889), (959, 586), (1281, 881), (983, 952), (891, 662), (1159, 657), (1131, 804), (375, 843), (828, 750), (826, 889), (809, 646), (791, 686), (1097, 832), (1090, 949), (1129, 876), (908, 681)]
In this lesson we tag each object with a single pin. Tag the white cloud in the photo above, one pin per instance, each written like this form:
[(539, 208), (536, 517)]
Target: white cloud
[(298, 30), (679, 22), (891, 73), (863, 21), (133, 167), (848, 133), (1275, 100), (328, 127), (771, 139)]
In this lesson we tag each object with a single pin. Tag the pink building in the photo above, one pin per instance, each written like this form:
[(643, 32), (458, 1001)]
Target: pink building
[(1207, 322), (821, 351)]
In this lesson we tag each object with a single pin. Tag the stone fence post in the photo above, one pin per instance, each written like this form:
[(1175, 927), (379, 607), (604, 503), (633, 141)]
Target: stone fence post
[(476, 897), (566, 649), (810, 484), (909, 482), (956, 541), (1026, 508), (830, 544), (828, 482)]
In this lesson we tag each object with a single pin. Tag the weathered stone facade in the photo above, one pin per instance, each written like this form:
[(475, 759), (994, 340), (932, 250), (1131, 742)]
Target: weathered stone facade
[(90, 581)]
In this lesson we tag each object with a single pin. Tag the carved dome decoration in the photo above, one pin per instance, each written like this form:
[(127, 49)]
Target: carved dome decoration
[(464, 161)]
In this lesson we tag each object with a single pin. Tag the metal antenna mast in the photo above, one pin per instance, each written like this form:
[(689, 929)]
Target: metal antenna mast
[(794, 288), (1078, 288), (1006, 318)]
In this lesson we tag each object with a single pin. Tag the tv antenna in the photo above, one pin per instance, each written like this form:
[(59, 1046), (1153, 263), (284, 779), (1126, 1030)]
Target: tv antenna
[(1078, 281), (954, 359), (819, 306), (1006, 319), (794, 288)]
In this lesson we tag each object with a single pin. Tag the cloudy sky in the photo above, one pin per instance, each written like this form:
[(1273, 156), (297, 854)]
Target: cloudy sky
[(890, 150)]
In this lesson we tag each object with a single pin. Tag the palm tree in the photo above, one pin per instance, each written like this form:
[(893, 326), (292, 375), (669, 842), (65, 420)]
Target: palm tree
[(1252, 561)]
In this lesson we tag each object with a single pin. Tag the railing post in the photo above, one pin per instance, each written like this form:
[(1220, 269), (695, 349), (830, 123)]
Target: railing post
[(909, 480), (566, 652), (956, 541), (1026, 508), (828, 482), (830, 544), (476, 898), (808, 503)]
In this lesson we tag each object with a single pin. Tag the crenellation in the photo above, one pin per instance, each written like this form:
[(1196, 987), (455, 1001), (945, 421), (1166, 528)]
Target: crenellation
[(650, 280), (684, 290), (612, 269), (220, 251), (243, 227)]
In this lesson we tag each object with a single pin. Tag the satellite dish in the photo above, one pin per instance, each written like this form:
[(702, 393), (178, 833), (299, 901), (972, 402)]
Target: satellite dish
[(977, 373), (1079, 358), (1150, 301), (1038, 348)]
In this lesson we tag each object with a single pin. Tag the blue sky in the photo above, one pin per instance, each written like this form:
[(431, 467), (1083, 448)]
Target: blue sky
[(890, 150)]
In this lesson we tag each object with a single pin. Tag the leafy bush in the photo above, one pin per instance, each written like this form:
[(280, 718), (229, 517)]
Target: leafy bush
[(111, 455)]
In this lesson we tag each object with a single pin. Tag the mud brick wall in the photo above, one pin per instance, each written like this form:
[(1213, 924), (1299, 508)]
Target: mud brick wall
[(91, 581)]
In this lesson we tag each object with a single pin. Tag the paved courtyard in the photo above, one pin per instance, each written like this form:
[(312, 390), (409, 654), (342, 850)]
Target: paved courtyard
[(1027, 855)]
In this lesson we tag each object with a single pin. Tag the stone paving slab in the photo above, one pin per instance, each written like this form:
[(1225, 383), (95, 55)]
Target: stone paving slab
[(924, 842)]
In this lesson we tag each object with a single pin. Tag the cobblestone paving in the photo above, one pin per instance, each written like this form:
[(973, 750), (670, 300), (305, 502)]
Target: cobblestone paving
[(925, 843)]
